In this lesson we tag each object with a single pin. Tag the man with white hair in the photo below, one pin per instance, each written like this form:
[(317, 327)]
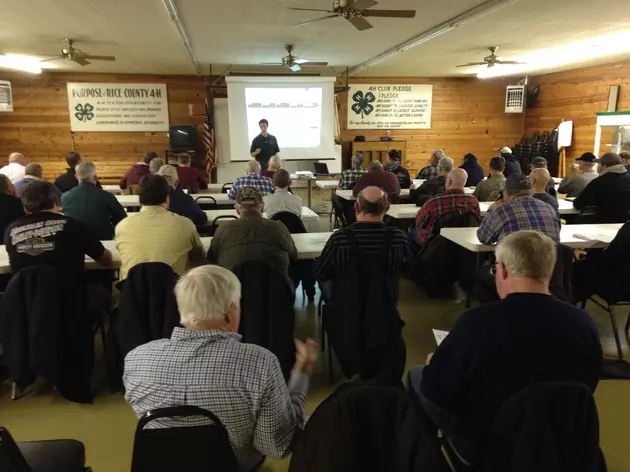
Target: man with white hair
[(205, 364), (349, 177), (496, 350), (430, 172), (274, 165), (433, 186), (15, 169), (180, 202), (252, 179), (98, 209)]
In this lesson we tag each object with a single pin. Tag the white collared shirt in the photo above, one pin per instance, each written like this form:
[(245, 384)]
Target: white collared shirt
[(14, 171), (282, 200)]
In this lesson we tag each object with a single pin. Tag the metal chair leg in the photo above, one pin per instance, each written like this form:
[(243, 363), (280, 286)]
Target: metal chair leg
[(15, 391), (613, 322)]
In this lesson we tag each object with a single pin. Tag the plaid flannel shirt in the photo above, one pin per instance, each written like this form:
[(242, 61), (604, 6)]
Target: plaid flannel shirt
[(264, 184), (349, 177), (428, 172), (522, 213), (240, 383), (440, 205)]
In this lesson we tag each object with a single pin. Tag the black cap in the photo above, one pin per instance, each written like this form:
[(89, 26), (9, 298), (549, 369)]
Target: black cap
[(587, 157), (539, 162), (610, 159), (517, 182)]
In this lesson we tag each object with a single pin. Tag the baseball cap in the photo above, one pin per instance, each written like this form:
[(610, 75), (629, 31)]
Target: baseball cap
[(249, 196), (517, 182), (587, 157), (539, 162), (610, 159), (505, 150)]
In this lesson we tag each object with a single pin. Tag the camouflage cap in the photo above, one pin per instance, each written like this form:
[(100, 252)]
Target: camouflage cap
[(249, 196)]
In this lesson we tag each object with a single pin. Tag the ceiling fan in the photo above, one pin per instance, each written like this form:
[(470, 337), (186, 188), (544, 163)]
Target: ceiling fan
[(293, 62), (491, 60), (356, 13), (76, 55)]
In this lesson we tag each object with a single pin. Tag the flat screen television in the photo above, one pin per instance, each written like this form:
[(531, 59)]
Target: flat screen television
[(183, 138)]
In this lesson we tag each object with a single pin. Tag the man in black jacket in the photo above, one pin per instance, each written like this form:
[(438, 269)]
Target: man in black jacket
[(180, 202), (391, 163), (69, 180), (512, 166), (609, 193), (10, 206), (433, 186)]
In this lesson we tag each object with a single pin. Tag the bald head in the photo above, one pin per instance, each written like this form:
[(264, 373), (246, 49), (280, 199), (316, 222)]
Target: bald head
[(17, 157), (457, 178), (371, 204), (539, 179), (253, 167)]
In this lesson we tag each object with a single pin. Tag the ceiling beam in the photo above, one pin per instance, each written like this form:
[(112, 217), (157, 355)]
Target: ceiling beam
[(173, 13)]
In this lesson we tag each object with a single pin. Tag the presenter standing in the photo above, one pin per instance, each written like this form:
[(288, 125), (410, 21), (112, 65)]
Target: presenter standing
[(264, 145)]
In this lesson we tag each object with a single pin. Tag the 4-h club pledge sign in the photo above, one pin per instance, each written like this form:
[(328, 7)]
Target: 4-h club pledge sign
[(389, 106), (118, 107)]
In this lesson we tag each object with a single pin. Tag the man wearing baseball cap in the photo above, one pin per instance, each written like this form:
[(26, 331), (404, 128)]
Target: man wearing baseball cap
[(609, 193), (512, 166), (573, 184)]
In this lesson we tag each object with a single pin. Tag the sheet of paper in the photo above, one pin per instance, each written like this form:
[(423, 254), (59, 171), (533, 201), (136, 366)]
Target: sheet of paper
[(439, 335)]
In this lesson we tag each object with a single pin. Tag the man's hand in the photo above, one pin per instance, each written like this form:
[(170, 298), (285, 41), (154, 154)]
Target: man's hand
[(572, 171), (429, 358), (412, 187), (305, 356), (256, 152)]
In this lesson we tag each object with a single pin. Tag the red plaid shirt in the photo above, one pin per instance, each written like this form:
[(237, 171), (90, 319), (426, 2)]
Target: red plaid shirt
[(440, 205)]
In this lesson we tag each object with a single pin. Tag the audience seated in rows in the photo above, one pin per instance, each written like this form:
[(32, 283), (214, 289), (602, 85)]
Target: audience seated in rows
[(252, 179), (252, 237), (430, 172), (609, 193), (376, 176), (512, 166), (11, 207), (442, 204), (518, 211), (274, 164), (496, 350), (134, 175), (541, 163), (473, 169), (282, 199), (68, 180), (433, 186), (180, 202), (492, 188), (539, 178), (351, 176), (205, 364), (98, 209), (15, 169), (190, 178), (391, 163), (155, 165), (155, 234), (574, 182)]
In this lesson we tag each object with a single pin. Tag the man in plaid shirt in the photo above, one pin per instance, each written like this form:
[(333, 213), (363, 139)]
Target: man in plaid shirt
[(430, 172), (349, 177), (518, 211), (252, 179), (205, 364), (441, 204)]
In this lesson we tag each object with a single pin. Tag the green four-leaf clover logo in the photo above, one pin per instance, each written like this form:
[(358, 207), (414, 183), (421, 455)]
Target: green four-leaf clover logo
[(84, 112), (362, 105)]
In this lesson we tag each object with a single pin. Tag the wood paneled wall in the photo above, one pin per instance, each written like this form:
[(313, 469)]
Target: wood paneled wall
[(468, 115), (40, 125), (577, 95)]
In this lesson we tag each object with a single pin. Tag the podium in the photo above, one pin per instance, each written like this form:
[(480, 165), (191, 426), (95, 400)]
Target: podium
[(374, 150)]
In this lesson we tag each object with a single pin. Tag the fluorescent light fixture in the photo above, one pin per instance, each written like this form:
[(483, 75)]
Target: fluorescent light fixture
[(20, 62), (410, 44), (542, 59)]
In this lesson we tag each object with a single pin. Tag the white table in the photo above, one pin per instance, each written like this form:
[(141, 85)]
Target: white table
[(565, 207), (403, 211), (212, 189), (308, 215), (308, 245), (115, 189), (327, 184), (310, 178), (134, 200)]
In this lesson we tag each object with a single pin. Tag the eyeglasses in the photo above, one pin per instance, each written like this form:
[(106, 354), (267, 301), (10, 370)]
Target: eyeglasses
[(493, 269)]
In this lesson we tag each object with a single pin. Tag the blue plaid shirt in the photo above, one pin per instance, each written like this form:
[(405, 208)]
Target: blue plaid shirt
[(522, 213), (264, 184)]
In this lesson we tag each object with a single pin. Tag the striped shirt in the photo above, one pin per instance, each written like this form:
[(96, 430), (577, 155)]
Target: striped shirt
[(155, 235), (371, 237)]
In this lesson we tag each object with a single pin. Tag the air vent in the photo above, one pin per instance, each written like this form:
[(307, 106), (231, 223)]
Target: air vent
[(6, 100), (514, 99)]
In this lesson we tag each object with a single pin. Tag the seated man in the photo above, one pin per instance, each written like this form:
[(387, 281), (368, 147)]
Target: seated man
[(512, 166), (349, 177), (155, 165), (11, 207), (97, 209), (32, 171), (492, 188), (539, 179), (134, 175), (252, 179), (541, 163), (69, 180), (391, 163), (433, 186), (180, 202), (252, 237), (573, 184), (496, 350), (154, 234), (377, 177), (274, 165), (430, 172), (15, 169), (518, 211), (441, 204), (190, 178), (473, 169), (205, 364), (609, 193), (282, 199)]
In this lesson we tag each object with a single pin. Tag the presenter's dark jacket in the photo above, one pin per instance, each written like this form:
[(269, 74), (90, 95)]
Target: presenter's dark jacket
[(268, 146)]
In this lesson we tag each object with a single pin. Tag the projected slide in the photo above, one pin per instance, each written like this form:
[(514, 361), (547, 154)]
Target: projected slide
[(294, 115)]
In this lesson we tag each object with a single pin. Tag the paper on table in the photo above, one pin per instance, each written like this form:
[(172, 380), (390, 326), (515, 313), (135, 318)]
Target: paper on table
[(439, 335), (593, 237)]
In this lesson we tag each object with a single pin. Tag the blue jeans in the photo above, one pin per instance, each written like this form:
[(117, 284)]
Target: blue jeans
[(413, 238)]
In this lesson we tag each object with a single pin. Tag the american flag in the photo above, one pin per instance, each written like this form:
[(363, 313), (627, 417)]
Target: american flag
[(208, 135)]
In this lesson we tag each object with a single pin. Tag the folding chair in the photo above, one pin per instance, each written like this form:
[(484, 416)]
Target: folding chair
[(226, 187), (206, 202)]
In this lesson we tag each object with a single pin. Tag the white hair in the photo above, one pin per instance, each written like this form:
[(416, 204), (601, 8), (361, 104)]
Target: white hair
[(207, 293), (169, 173), (446, 164), (275, 162), (528, 254), (357, 161), (155, 164), (86, 172), (437, 154), (253, 167)]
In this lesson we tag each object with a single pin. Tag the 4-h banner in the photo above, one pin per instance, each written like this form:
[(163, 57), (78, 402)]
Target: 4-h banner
[(389, 106), (118, 107)]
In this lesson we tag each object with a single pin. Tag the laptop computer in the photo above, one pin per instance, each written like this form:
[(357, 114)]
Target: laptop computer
[(321, 168)]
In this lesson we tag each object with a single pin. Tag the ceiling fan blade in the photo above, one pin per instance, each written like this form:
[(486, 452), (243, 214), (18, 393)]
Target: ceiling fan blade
[(304, 23), (301, 61), (360, 23), (55, 58), (315, 64), (295, 67), (470, 64), (82, 61), (362, 4), (390, 13), (309, 9), (271, 63), (99, 58), (510, 62)]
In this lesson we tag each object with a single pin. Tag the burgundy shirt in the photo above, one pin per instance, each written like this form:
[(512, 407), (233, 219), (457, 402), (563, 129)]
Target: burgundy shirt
[(268, 173), (191, 178), (378, 178), (134, 175)]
